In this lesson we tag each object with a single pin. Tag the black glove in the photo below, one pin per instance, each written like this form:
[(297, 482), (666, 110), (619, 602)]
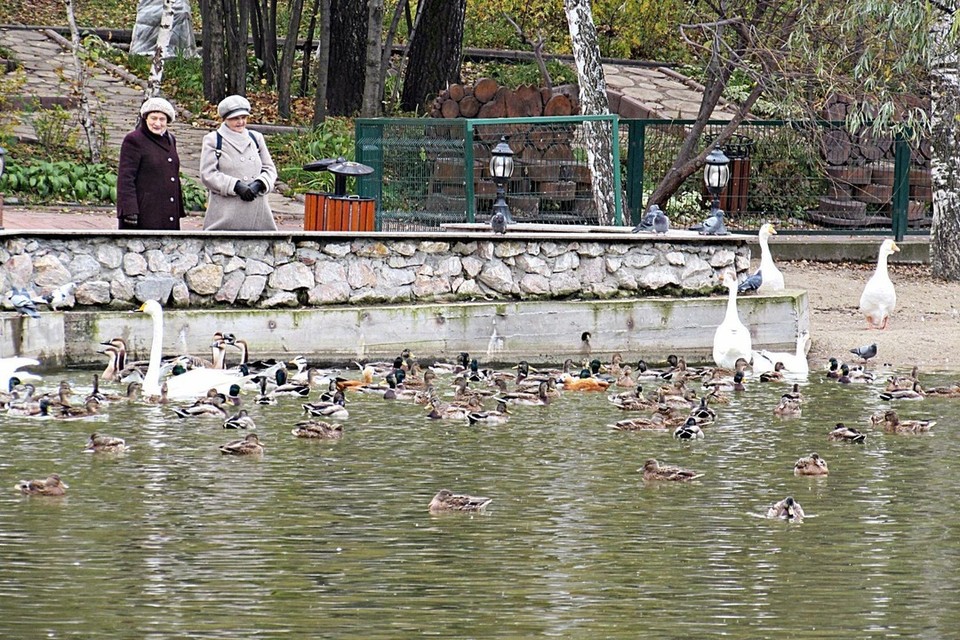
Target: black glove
[(130, 218), (257, 187), (243, 190)]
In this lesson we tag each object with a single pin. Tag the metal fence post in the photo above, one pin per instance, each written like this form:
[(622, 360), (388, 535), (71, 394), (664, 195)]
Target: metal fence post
[(901, 186), (468, 172), (368, 150), (636, 132)]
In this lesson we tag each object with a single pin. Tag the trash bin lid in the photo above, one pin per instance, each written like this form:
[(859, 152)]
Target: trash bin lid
[(322, 164), (349, 168)]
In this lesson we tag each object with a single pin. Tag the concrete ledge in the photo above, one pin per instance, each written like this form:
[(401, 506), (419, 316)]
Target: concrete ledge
[(540, 332), (845, 248)]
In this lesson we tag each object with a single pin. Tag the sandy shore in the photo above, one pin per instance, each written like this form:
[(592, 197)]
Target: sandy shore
[(924, 329)]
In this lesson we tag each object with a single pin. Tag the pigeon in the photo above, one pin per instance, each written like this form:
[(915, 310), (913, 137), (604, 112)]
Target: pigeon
[(498, 223), (866, 352), (23, 303), (661, 223), (646, 223), (752, 283), (713, 225), (60, 296)]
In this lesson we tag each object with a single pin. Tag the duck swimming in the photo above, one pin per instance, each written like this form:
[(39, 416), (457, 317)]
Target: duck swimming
[(448, 501), (51, 486), (250, 445), (99, 442), (788, 509), (653, 470), (812, 465)]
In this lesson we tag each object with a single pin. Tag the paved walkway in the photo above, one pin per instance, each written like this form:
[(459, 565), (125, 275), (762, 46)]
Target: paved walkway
[(115, 96)]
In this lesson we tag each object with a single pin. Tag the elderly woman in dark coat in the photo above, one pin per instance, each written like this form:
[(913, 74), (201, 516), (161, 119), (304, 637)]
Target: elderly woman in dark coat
[(149, 194), (237, 170)]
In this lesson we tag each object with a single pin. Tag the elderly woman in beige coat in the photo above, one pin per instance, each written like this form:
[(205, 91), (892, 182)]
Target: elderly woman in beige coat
[(238, 172)]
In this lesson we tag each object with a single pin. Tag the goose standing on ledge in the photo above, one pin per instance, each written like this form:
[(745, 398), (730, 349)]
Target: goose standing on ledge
[(879, 298), (732, 339), (771, 277)]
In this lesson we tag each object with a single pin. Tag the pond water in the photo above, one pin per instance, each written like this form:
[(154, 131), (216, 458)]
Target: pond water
[(334, 540)]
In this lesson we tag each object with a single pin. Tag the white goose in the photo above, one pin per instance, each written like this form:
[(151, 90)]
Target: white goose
[(879, 298), (732, 338), (772, 277), (192, 384), (792, 362), (10, 367)]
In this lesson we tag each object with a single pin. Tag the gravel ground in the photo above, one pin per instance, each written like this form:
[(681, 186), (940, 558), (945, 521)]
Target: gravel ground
[(924, 329)]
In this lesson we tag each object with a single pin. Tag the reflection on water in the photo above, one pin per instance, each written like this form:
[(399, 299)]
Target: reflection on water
[(333, 539)]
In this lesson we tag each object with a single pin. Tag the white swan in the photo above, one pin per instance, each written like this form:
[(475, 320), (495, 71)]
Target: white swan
[(193, 383), (732, 338), (879, 298), (9, 368), (772, 277), (792, 362)]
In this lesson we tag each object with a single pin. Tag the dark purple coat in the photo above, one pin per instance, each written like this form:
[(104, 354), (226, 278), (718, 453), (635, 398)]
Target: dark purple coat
[(148, 180)]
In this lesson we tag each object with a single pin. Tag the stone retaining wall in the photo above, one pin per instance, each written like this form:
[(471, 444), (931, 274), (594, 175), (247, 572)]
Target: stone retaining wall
[(188, 270)]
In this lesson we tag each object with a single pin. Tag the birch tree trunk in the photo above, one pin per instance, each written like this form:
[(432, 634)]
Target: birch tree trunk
[(593, 101), (80, 87), (372, 104), (945, 141), (160, 50)]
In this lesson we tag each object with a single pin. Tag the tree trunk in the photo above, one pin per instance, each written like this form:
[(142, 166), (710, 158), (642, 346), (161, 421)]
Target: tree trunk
[(593, 101), (160, 49), (285, 76), (945, 139), (237, 20), (348, 51), (323, 65), (436, 49), (372, 98), (213, 62), (311, 31), (80, 87), (402, 6)]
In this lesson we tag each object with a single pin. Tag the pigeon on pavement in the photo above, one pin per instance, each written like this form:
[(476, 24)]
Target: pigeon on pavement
[(866, 352)]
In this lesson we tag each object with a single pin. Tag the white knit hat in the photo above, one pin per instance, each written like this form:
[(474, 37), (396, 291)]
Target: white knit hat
[(233, 106), (159, 105)]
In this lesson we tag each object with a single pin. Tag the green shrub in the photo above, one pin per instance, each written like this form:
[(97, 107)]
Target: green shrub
[(332, 139), (60, 181), (194, 194)]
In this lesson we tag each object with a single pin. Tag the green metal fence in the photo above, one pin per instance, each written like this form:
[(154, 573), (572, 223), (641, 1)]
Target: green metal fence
[(802, 176), (428, 172)]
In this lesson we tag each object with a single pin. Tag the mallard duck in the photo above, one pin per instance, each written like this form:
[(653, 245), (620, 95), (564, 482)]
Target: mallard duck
[(689, 430), (99, 442), (438, 410), (833, 370), (703, 414), (731, 339), (653, 470), (540, 398), (632, 400), (240, 420), (334, 410), (812, 465), (51, 486), (950, 391), (892, 423), (788, 509), (773, 376), (500, 415), (788, 407), (90, 408), (206, 407), (250, 445), (317, 429), (914, 393), (448, 501), (879, 298), (843, 433), (287, 388), (656, 422), (727, 384), (771, 275), (900, 383)]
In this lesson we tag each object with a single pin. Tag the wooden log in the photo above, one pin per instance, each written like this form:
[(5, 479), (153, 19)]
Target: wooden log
[(514, 104), (869, 146), (558, 153), (558, 191), (485, 89), (469, 107), (920, 177), (882, 173), (492, 109), (836, 146), (545, 95), (543, 173), (532, 102), (873, 193), (559, 105), (450, 109), (455, 92)]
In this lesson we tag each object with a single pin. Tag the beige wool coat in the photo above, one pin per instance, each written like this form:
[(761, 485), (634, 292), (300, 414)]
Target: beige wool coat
[(243, 157)]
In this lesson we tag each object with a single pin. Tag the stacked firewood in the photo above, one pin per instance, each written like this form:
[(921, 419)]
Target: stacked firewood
[(487, 99)]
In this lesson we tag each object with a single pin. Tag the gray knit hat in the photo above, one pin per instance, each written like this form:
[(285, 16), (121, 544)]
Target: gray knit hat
[(158, 105), (233, 106)]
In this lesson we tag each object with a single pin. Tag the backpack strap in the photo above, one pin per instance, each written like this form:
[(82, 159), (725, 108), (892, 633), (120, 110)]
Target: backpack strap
[(219, 150)]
